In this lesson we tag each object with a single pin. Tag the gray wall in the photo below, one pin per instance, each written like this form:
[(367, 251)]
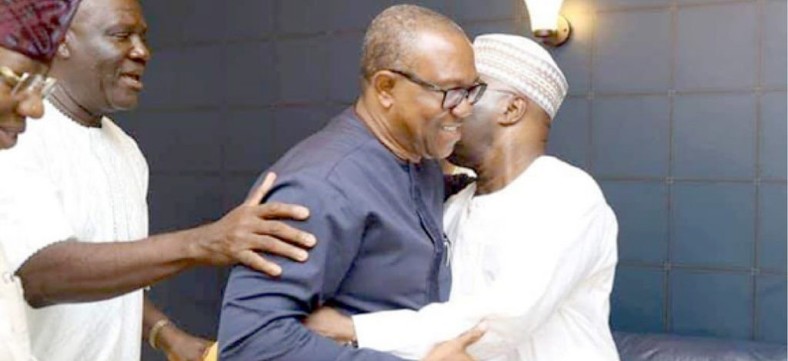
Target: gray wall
[(677, 107)]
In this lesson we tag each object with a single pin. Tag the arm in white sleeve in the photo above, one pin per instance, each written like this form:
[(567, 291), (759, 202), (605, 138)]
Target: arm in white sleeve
[(31, 214), (14, 336), (538, 264)]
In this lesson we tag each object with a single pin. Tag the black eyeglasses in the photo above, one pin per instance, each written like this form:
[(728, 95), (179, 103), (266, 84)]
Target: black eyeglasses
[(451, 97)]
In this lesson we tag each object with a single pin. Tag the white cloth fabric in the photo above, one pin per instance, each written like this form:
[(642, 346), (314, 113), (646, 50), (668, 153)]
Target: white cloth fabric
[(535, 261), (523, 64), (14, 338), (62, 181)]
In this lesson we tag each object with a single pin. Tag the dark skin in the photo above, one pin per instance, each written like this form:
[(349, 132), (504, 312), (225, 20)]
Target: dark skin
[(409, 120), (175, 343), (15, 109), (101, 63), (74, 271), (502, 137), (99, 67)]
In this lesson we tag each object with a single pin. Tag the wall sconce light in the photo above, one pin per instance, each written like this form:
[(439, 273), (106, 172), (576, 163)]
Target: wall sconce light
[(546, 24)]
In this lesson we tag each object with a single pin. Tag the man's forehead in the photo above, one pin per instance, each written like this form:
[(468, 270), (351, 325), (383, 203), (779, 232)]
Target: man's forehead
[(131, 16), (457, 79), (103, 12), (446, 58)]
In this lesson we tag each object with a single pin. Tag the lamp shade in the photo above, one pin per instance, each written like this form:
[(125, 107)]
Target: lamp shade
[(543, 14)]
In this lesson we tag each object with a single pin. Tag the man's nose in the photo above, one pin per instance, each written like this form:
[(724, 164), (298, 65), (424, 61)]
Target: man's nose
[(140, 51), (30, 105), (463, 109)]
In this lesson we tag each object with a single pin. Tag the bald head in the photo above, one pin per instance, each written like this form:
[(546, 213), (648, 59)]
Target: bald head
[(390, 41)]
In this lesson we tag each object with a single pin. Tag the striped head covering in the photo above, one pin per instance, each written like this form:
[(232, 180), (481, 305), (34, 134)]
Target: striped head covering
[(35, 27), (524, 65)]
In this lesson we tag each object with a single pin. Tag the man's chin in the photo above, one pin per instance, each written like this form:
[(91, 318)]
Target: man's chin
[(444, 151), (124, 104), (458, 160), (7, 140), (439, 155)]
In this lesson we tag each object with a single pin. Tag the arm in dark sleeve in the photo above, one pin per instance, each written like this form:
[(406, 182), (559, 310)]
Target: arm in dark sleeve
[(261, 316)]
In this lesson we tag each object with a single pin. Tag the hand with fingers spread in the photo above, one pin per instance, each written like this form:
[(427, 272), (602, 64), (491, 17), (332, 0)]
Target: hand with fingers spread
[(252, 228)]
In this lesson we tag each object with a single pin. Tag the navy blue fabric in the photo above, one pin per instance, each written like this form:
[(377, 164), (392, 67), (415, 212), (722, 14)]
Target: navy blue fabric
[(380, 246)]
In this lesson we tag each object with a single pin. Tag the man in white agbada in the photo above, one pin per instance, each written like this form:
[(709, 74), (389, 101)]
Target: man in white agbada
[(74, 215), (30, 32), (534, 239)]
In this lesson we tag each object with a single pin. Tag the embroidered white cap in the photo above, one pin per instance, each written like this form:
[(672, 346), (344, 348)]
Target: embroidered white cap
[(524, 65)]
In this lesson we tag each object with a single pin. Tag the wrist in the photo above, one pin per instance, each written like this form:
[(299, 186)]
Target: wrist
[(350, 329), (168, 338), (349, 335), (194, 241), (157, 336)]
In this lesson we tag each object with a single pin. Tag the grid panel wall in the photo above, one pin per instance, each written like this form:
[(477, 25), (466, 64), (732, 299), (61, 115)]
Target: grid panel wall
[(677, 107)]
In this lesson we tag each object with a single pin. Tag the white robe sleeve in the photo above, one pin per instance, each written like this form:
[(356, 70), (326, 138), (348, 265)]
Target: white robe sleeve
[(14, 336), (542, 256), (31, 214)]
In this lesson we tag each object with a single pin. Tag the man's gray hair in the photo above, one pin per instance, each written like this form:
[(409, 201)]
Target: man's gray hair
[(388, 43)]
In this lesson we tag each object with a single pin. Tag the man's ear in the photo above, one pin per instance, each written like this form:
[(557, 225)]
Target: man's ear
[(515, 111), (383, 83), (64, 49)]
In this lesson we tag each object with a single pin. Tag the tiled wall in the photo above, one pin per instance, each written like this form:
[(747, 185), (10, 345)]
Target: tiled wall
[(677, 107)]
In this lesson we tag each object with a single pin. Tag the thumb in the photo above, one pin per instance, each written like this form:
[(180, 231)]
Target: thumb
[(471, 336), (259, 193)]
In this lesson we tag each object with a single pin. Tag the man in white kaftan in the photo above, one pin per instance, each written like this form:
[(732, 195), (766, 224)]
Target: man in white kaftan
[(101, 179), (14, 337), (30, 31), (534, 239), (73, 209)]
